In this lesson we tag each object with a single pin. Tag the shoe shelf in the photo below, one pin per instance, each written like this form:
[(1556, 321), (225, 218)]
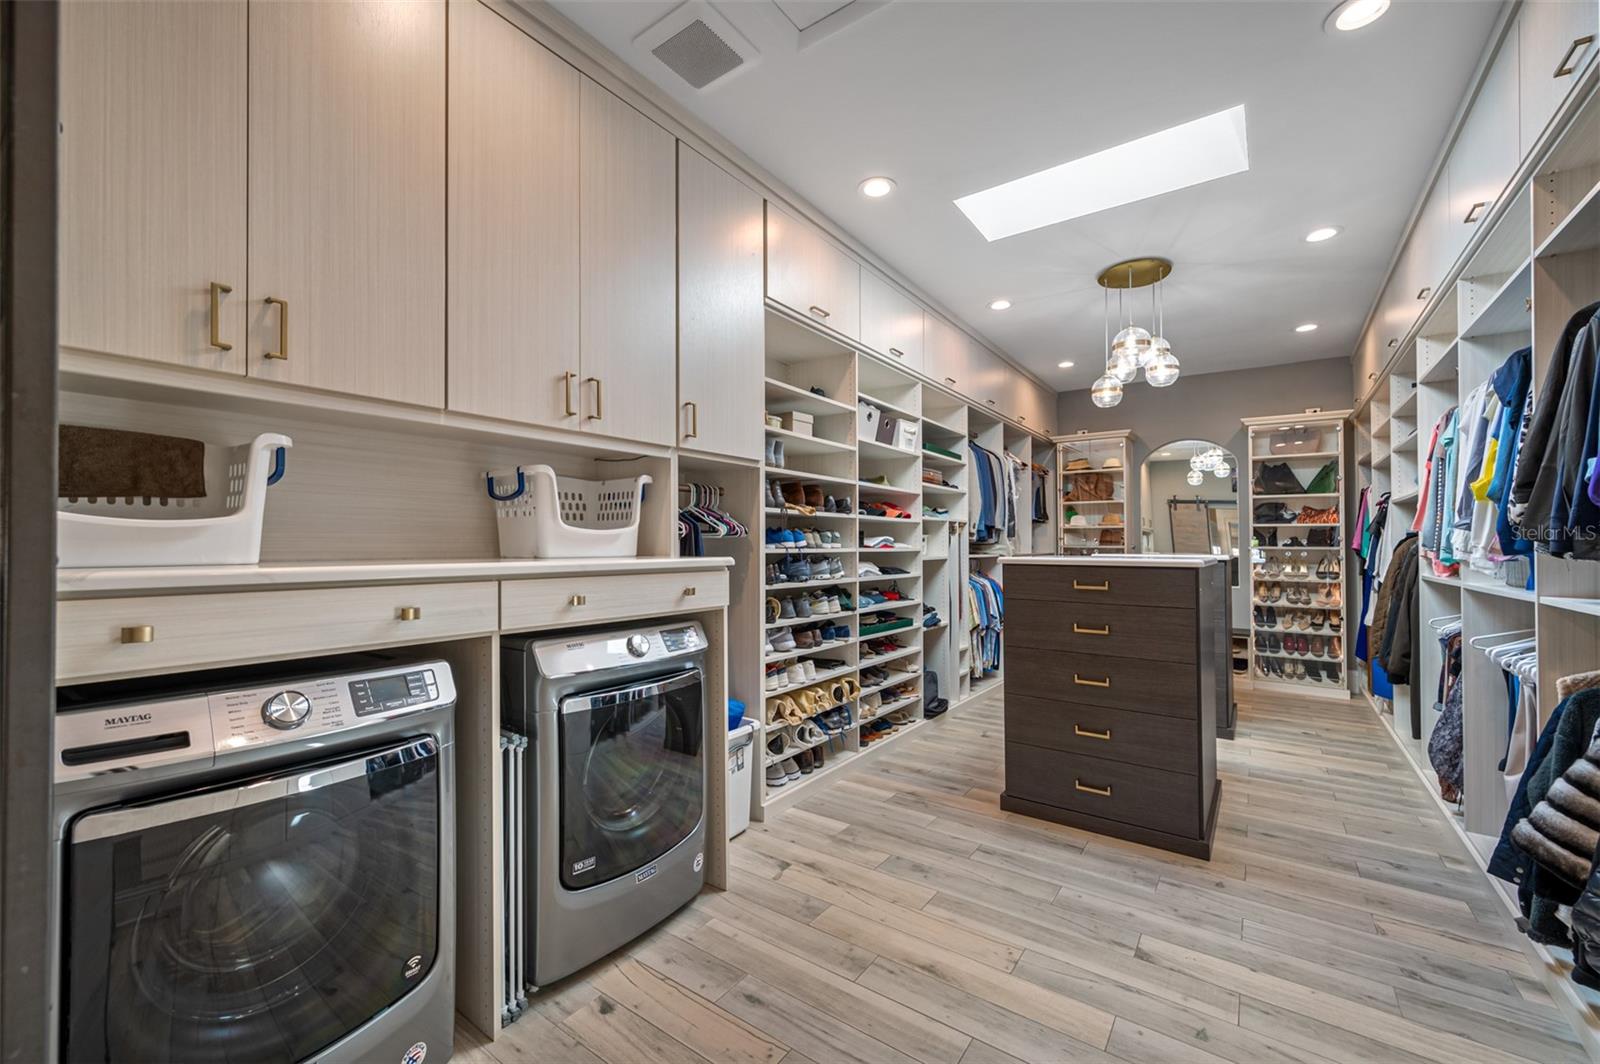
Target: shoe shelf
[(805, 652), (805, 476), (942, 489), (822, 676), (815, 618), (782, 397), (888, 489), (935, 459), (800, 444), (886, 520), (868, 661), (769, 758), (889, 604), (798, 585), (893, 707), (1283, 605), (898, 548), (778, 552), (892, 408), (894, 681), (820, 515)]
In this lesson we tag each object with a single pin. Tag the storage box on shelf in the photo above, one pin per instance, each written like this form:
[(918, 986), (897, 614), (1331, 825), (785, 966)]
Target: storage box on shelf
[(1299, 619), (1092, 489)]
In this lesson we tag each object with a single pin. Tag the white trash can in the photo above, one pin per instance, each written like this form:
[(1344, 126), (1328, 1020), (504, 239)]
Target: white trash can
[(741, 775)]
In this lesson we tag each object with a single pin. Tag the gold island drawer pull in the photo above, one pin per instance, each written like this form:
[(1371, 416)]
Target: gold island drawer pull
[(578, 600), (1104, 585), (1084, 733), (1103, 792), (1079, 629), (1090, 681), (691, 591), (139, 633), (409, 613)]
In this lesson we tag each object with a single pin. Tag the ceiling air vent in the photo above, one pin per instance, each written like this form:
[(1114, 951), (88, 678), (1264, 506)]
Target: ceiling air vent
[(697, 44)]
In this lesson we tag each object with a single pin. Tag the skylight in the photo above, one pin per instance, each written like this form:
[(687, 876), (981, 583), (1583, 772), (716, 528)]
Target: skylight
[(1189, 154)]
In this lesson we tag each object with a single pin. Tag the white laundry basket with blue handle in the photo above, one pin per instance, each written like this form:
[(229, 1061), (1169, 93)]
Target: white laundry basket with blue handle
[(541, 515), (223, 528)]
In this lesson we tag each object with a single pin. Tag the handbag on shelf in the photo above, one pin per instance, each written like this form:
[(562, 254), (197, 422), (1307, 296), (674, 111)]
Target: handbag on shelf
[(1276, 478)]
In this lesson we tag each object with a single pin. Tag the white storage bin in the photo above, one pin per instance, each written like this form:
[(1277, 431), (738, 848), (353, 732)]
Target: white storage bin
[(224, 528), (741, 775), (541, 515)]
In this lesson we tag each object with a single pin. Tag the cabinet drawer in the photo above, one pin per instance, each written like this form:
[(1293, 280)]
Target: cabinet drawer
[(1171, 743), (1122, 584), (574, 600), (195, 631), (1164, 687), (1101, 628), (1128, 794)]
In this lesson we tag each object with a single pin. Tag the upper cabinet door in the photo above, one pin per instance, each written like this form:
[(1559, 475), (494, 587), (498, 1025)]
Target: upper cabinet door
[(1486, 153), (1431, 238), (628, 234), (891, 323), (808, 274), (347, 197), (152, 181), (945, 357), (721, 321), (1557, 40), (988, 376), (513, 277)]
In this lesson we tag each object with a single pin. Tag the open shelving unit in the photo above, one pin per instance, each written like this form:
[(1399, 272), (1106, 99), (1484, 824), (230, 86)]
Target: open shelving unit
[(1093, 520), (1299, 638)]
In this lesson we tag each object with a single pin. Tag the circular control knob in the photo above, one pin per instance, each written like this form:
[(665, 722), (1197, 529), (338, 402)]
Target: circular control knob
[(638, 645), (286, 709)]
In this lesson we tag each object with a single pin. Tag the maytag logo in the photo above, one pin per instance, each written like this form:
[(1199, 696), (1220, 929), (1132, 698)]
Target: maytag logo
[(126, 719), (644, 874)]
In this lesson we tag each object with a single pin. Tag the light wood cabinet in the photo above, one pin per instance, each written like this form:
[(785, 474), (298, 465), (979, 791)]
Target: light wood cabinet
[(513, 224), (945, 356), (808, 274), (1431, 237), (891, 322), (1486, 152), (1556, 41), (721, 323), (152, 181), (628, 271), (989, 378), (347, 197)]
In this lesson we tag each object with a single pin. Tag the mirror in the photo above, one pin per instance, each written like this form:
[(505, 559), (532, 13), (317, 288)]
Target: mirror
[(1184, 518)]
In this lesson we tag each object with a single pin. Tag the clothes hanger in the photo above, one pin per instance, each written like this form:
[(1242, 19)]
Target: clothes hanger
[(1439, 624), (1476, 642)]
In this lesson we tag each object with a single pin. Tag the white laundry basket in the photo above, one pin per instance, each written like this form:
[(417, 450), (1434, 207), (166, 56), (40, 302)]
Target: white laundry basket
[(741, 775), (223, 528), (541, 515)]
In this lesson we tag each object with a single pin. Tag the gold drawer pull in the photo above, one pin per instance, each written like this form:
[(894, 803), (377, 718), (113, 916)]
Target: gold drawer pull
[(896, 352), (1079, 629), (1103, 792), (691, 591), (139, 633), (218, 290), (599, 399), (1567, 66), (1089, 681), (409, 613), (1084, 733), (570, 377), (282, 353), (578, 600), (1104, 585), (694, 419)]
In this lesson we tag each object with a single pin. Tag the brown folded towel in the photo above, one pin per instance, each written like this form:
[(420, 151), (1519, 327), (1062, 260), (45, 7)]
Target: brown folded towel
[(115, 463)]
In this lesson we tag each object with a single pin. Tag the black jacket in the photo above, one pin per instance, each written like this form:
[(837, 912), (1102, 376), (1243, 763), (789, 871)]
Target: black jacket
[(1543, 425), (1399, 634)]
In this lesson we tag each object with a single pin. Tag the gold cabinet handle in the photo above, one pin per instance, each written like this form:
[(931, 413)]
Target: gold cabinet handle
[(570, 378), (599, 398), (1078, 585), (578, 600), (1568, 61), (409, 613), (1090, 681), (283, 328), (218, 290), (1103, 792), (691, 591), (693, 409), (139, 633), (1473, 211), (896, 352), (1079, 629), (818, 311), (1082, 732)]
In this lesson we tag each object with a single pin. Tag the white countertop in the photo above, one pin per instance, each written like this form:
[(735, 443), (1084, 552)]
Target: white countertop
[(1136, 561), (74, 583)]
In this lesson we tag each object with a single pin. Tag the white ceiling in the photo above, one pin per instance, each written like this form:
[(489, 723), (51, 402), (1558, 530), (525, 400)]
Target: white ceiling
[(949, 98)]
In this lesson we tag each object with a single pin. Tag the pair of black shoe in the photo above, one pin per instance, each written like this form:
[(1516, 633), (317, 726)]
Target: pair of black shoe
[(1265, 617)]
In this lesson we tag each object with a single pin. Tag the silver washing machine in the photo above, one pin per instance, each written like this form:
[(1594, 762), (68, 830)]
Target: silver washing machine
[(258, 864), (616, 784)]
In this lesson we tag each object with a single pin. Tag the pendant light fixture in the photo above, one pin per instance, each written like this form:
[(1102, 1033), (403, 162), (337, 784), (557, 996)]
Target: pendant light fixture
[(1135, 348), (1195, 478)]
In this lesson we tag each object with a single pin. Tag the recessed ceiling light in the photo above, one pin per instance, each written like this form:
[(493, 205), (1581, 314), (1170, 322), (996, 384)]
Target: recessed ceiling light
[(1353, 14), (1065, 365), (1000, 304), (1327, 232), (877, 187), (1188, 154), (1166, 454), (1309, 326)]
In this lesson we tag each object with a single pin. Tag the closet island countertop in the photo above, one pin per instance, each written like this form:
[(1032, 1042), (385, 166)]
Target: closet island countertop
[(1164, 561), (89, 583)]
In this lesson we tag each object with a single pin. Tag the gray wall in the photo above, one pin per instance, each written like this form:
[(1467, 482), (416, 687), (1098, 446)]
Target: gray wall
[(1163, 479)]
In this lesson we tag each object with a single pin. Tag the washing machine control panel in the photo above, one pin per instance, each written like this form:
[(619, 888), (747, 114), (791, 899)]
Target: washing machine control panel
[(592, 651), (257, 716)]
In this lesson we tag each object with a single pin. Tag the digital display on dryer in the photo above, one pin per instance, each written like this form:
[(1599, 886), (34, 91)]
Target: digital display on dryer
[(378, 694)]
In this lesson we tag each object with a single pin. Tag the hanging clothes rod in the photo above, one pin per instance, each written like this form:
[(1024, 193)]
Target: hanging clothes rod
[(1476, 642)]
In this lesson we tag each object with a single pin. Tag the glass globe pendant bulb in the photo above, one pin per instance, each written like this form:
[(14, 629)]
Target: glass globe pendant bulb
[(1197, 463), (1222, 471), (1163, 367), (1107, 391), (1157, 348), (1195, 478), (1133, 345)]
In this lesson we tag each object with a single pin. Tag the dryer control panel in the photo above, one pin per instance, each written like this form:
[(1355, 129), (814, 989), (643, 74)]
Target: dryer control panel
[(585, 652)]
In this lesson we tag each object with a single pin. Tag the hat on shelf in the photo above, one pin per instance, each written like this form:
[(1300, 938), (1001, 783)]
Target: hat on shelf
[(1075, 464), (1111, 463)]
